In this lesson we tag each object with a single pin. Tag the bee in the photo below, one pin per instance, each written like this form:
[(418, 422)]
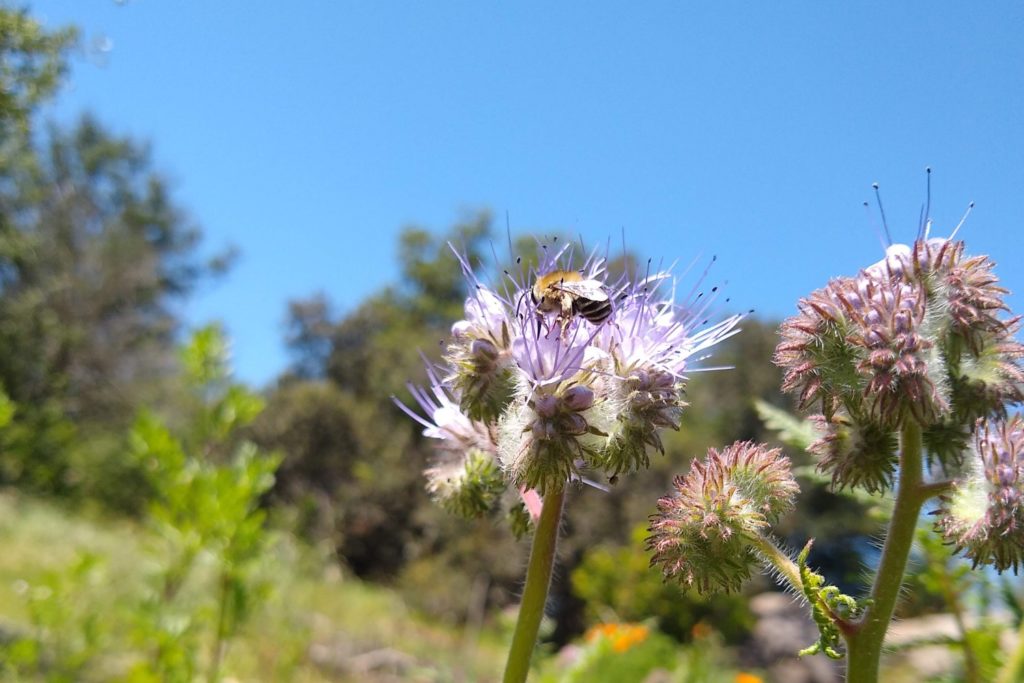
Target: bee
[(567, 293)]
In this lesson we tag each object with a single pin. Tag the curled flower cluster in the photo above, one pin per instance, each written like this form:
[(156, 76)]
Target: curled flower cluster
[(533, 395), (984, 515), (920, 335), (464, 477), (703, 534)]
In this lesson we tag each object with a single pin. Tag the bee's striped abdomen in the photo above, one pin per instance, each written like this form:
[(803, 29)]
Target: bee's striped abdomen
[(594, 311)]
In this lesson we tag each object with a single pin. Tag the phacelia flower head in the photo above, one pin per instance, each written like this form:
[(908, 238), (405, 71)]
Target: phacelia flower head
[(648, 351), (464, 476), (702, 534), (984, 515), (566, 370), (921, 335)]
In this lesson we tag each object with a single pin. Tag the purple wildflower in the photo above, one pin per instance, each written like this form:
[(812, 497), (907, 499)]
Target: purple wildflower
[(548, 394)]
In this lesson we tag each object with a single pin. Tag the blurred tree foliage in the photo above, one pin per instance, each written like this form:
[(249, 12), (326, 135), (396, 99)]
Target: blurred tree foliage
[(32, 65), (93, 253), (353, 460)]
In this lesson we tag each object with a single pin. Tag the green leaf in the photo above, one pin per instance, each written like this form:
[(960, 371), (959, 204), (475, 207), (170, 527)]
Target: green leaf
[(791, 430)]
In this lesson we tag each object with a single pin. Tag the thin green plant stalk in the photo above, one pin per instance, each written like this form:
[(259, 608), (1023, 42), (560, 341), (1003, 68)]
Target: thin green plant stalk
[(779, 561), (864, 643), (789, 571), (535, 593), (217, 653)]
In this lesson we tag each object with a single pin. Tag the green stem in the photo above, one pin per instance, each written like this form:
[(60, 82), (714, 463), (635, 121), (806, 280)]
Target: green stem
[(535, 594), (789, 571), (781, 562), (864, 645), (218, 643)]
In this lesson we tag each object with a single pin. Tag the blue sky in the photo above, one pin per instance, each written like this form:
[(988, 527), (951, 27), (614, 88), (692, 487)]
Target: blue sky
[(309, 133)]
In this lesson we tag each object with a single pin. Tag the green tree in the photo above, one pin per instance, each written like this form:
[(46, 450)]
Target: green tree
[(353, 461), (32, 65), (94, 252)]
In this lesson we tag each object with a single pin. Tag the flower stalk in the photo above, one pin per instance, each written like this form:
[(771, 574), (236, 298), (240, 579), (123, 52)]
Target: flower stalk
[(779, 561), (535, 593), (864, 644)]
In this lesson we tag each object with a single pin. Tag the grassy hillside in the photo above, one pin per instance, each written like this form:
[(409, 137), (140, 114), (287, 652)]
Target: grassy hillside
[(73, 581)]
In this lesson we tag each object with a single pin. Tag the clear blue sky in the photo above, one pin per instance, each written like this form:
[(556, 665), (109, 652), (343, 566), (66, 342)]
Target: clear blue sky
[(309, 133)]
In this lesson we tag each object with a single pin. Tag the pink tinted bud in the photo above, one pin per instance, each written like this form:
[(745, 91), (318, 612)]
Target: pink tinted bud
[(578, 398), (546, 405), (573, 423), (485, 349)]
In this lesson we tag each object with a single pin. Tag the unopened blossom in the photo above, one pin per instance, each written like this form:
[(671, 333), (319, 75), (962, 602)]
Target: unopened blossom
[(855, 454), (702, 534), (921, 335), (984, 516), (865, 342), (480, 371), (967, 286)]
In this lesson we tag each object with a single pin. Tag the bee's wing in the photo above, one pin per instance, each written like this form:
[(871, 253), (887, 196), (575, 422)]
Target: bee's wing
[(587, 289)]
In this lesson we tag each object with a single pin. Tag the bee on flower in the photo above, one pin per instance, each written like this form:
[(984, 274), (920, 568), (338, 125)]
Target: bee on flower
[(564, 372)]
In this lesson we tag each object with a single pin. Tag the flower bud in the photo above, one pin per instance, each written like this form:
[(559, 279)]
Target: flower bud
[(702, 534), (467, 486), (642, 404), (480, 376), (856, 454), (915, 336), (984, 516), (541, 439), (578, 398)]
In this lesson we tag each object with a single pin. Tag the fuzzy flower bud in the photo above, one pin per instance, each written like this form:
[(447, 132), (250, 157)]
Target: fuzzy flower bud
[(464, 477), (862, 341), (480, 375), (966, 286), (702, 534), (984, 516), (855, 454), (915, 336), (542, 443), (468, 487), (644, 403), (895, 354)]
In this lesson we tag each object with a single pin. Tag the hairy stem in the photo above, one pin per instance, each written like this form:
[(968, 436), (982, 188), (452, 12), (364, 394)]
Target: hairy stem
[(864, 645), (535, 594), (781, 562), (789, 571)]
